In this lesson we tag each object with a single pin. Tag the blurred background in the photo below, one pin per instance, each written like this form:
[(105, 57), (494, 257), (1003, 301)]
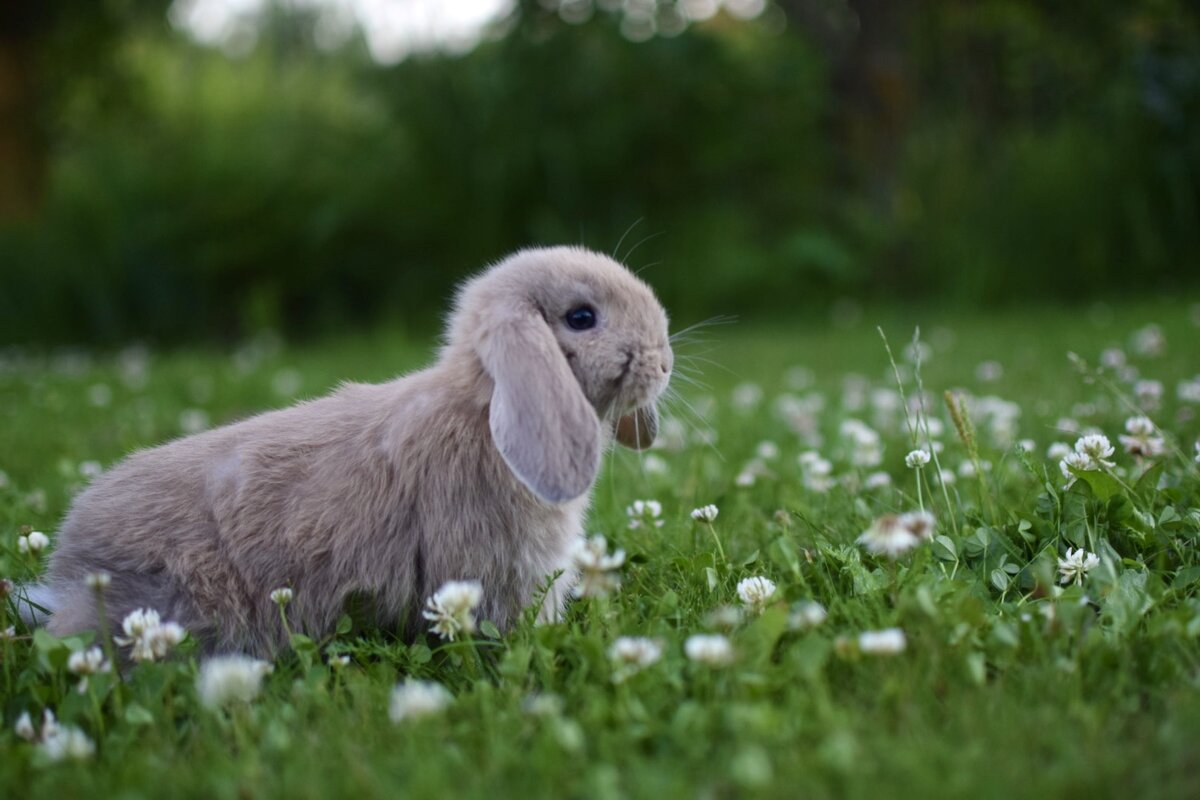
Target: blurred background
[(205, 170)]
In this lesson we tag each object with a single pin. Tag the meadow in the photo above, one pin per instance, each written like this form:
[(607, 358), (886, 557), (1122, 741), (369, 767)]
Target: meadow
[(1035, 640)]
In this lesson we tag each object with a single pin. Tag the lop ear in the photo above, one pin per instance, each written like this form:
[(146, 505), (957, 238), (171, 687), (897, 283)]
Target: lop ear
[(543, 426), (637, 430)]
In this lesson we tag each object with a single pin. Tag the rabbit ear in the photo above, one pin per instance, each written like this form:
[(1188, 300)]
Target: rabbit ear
[(637, 430), (542, 424)]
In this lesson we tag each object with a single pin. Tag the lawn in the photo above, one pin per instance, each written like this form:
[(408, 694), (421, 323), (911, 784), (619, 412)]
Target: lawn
[(998, 679)]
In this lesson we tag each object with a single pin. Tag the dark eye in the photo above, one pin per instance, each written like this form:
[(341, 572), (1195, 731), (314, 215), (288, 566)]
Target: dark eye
[(581, 318)]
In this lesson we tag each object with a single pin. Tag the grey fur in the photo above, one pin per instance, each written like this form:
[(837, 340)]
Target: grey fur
[(478, 467)]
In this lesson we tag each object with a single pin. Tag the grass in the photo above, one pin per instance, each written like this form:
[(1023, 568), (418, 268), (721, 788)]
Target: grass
[(1009, 684)]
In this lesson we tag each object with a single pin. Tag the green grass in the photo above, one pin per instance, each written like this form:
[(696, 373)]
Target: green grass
[(991, 698)]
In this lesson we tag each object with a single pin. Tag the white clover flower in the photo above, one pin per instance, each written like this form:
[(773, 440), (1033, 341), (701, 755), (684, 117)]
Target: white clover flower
[(1075, 460), (920, 524), (807, 614), (864, 445), (97, 581), (706, 513), (33, 542), (599, 570), (1149, 341), (1149, 394), (1077, 564), (1112, 358), (148, 637), (632, 654), (745, 479), (817, 471), (226, 680), (756, 592), (713, 650), (193, 420), (1097, 448), (1058, 451), (414, 699), (888, 536), (282, 596), (8, 634), (1141, 438), (947, 477), (88, 662), (66, 742), (644, 512), (654, 465), (724, 617), (24, 727), (1198, 452), (877, 480), (747, 396), (916, 459), (767, 451), (339, 661), (989, 371), (885, 642), (451, 608), (90, 470), (1189, 391), (542, 705)]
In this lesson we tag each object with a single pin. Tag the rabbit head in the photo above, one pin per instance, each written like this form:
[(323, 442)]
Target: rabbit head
[(571, 342)]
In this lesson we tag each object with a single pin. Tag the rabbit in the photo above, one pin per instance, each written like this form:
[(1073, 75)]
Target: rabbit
[(478, 467)]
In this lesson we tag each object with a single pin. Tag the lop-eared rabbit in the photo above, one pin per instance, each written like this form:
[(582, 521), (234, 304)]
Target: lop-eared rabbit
[(479, 467)]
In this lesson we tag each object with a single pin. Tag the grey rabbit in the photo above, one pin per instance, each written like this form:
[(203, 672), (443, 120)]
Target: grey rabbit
[(477, 467)]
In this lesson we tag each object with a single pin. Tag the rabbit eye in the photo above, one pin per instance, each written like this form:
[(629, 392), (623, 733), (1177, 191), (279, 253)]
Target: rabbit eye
[(581, 318)]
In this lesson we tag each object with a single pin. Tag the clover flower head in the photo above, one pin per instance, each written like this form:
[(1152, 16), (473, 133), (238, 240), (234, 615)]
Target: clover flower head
[(916, 459), (1097, 448), (712, 650), (599, 570), (1076, 565), (281, 596), (889, 641), (415, 699), (148, 637), (644, 512), (231, 679), (807, 614), (706, 513), (33, 542), (632, 654), (451, 608), (756, 592)]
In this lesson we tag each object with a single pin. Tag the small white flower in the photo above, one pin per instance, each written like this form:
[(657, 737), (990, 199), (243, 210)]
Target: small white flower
[(756, 592), (632, 654), (33, 542), (885, 642), (417, 699), (1149, 341), (920, 524), (747, 396), (225, 680), (1075, 460), (598, 569), (706, 513), (282, 596), (66, 742), (655, 465), (807, 614), (713, 650), (24, 727), (193, 420), (98, 581), (888, 536), (148, 637), (1097, 448), (1141, 438), (88, 662), (1198, 452), (1189, 391), (644, 512), (1077, 564), (90, 470), (1058, 451), (745, 479), (916, 459), (877, 480), (8, 634), (339, 662), (989, 371), (767, 451), (451, 608), (724, 617), (1149, 394), (947, 477)]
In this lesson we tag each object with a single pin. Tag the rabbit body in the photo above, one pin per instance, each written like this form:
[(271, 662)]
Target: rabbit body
[(384, 491)]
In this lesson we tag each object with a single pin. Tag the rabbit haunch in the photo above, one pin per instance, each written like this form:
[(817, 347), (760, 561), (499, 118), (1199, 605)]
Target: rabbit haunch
[(478, 467)]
